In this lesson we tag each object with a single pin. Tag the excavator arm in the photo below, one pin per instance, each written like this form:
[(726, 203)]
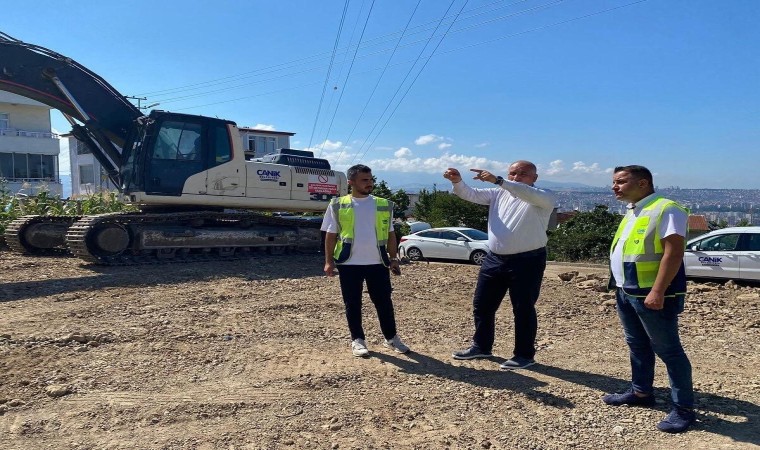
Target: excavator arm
[(107, 118)]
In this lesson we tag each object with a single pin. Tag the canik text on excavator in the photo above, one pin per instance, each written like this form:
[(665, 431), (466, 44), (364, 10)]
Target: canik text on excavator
[(184, 172)]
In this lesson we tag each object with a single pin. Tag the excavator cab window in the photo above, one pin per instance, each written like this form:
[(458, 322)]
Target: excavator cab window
[(176, 154), (221, 143), (178, 141)]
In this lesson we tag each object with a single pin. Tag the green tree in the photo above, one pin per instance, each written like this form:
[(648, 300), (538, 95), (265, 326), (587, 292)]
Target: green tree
[(585, 237), (400, 201), (442, 209), (399, 198), (743, 223)]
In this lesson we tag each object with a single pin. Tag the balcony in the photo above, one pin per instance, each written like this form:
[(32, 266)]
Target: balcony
[(24, 133)]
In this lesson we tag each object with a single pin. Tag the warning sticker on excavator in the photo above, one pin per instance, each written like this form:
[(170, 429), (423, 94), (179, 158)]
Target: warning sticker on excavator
[(322, 184)]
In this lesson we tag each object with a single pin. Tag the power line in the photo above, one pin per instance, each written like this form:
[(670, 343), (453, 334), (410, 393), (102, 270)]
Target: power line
[(329, 69), (348, 75), (411, 68), (439, 54), (387, 64), (412, 83), (345, 57), (286, 65)]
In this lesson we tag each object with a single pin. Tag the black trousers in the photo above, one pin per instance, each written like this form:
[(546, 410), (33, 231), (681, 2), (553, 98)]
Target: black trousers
[(520, 274), (378, 280)]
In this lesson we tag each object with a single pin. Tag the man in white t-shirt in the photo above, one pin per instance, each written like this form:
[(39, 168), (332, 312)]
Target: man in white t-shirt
[(646, 261), (361, 241)]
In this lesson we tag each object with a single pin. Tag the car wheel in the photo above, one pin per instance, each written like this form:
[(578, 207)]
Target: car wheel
[(414, 254), (477, 257)]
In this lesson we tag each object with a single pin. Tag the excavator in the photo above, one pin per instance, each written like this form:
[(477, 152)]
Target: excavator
[(198, 197)]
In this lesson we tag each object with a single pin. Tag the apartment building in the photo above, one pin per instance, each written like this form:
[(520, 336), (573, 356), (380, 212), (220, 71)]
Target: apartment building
[(28, 148)]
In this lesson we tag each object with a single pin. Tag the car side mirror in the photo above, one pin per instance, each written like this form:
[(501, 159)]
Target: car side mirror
[(464, 239), (694, 248)]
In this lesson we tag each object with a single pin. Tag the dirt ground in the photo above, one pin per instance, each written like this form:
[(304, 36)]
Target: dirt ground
[(254, 354)]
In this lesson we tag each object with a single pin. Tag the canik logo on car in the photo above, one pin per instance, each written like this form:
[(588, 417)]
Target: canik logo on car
[(268, 175), (710, 260)]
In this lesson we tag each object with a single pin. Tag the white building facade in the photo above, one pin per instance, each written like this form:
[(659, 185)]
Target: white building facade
[(28, 148)]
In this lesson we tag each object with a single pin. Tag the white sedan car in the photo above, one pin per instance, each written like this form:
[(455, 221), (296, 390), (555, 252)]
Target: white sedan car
[(446, 243), (728, 253)]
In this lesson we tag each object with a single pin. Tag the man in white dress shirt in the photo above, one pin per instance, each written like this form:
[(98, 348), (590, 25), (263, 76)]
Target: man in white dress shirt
[(518, 217)]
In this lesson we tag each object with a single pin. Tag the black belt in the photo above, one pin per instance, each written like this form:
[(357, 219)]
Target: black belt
[(536, 252)]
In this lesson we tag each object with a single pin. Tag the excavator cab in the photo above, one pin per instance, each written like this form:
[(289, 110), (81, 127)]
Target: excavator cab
[(170, 148)]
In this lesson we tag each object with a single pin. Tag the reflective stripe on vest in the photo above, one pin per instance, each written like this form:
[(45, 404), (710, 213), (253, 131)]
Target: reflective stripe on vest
[(343, 210), (642, 251)]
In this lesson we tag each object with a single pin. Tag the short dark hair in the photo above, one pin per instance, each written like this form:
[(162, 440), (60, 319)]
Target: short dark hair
[(359, 168), (637, 172)]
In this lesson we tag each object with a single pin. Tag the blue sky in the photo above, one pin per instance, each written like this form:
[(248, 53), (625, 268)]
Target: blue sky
[(576, 86)]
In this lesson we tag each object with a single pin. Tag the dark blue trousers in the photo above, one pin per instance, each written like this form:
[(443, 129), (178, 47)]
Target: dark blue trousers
[(520, 274), (378, 280)]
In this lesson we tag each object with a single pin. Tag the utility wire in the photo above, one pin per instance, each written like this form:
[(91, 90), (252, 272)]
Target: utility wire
[(329, 69), (348, 75), (507, 36), (387, 64), (411, 68), (319, 56), (412, 83), (164, 100), (345, 57)]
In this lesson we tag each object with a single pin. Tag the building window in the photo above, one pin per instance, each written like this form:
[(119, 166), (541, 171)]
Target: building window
[(259, 146), (5, 122), (86, 174), (82, 149), (35, 165), (20, 169), (48, 167), (6, 165), (23, 165)]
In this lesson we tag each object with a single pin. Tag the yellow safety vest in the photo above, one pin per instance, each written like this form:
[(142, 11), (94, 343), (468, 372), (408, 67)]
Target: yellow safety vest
[(642, 251), (343, 210)]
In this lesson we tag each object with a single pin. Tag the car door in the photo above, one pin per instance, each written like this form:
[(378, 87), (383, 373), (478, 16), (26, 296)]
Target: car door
[(428, 243), (713, 257), (749, 256), (452, 245)]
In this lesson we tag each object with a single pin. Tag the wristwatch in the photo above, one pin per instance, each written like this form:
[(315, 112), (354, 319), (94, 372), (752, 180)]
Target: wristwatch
[(499, 180)]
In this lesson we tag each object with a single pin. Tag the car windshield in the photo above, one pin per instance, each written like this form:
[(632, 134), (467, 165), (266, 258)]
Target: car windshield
[(475, 235)]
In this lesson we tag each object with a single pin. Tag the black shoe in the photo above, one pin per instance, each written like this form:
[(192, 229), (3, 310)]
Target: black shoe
[(677, 421), (628, 398), (473, 352), (517, 362)]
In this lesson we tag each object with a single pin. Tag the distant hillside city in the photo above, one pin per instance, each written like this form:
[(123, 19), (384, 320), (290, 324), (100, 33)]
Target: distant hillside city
[(733, 206), (730, 205)]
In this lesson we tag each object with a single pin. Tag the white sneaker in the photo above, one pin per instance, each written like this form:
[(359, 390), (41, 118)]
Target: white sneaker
[(359, 347), (396, 344)]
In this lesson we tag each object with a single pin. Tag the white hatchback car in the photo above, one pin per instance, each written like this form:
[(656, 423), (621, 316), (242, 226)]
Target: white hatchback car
[(728, 253), (446, 243)]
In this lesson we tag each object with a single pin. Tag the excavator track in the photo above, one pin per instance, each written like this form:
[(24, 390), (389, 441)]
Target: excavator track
[(156, 238), (39, 235)]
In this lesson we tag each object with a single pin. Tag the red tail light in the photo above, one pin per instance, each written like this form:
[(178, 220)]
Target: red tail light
[(403, 239)]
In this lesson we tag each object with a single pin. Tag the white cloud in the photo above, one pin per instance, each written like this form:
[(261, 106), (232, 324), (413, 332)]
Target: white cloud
[(428, 139), (403, 152), (263, 126), (581, 167), (482, 144), (555, 167), (438, 164), (443, 145), (327, 145)]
